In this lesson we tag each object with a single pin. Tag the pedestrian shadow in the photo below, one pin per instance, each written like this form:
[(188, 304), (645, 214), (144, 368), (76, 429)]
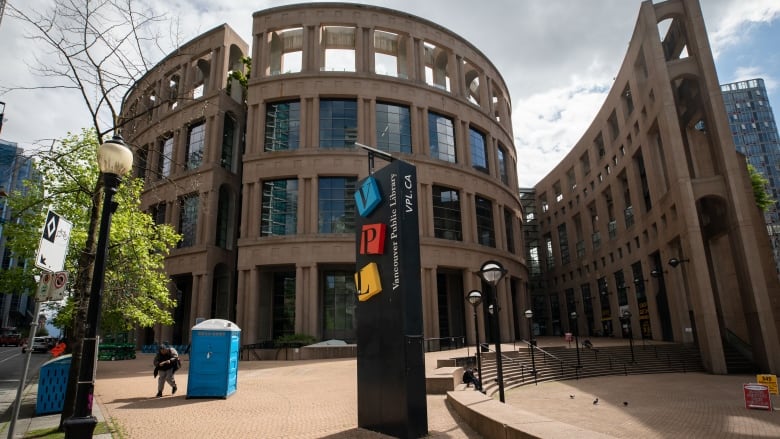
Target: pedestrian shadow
[(147, 402)]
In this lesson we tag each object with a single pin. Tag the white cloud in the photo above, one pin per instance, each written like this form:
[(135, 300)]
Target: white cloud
[(550, 123), (558, 58), (732, 21)]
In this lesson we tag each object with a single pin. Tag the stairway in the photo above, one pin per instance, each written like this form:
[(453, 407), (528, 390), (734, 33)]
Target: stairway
[(560, 363), (736, 363)]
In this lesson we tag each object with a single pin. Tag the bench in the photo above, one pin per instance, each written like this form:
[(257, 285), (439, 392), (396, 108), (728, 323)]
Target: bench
[(442, 380)]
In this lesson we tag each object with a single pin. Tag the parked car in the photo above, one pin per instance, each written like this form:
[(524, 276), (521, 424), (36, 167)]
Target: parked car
[(10, 337), (39, 345)]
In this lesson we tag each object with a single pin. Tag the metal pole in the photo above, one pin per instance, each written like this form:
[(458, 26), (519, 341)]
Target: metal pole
[(576, 330), (631, 340), (532, 346), (476, 334), (82, 423), (23, 379), (497, 332)]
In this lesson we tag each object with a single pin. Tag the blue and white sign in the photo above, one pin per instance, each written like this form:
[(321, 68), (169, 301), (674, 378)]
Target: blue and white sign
[(54, 243)]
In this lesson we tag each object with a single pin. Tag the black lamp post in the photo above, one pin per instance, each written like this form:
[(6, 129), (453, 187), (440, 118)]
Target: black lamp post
[(492, 272), (627, 319), (532, 344), (576, 331), (114, 159), (475, 298)]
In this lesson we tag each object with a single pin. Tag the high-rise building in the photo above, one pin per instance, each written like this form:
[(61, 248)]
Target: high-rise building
[(755, 134), (16, 307)]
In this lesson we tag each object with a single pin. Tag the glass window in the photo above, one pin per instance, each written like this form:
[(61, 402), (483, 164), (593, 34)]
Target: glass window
[(563, 243), (229, 142), (188, 220), (442, 137), (502, 165), (478, 150), (337, 204), (486, 234), (195, 143), (339, 306), (509, 224), (284, 304), (338, 123), (446, 214), (393, 128), (279, 214), (158, 213), (225, 219), (166, 155), (140, 162), (282, 126)]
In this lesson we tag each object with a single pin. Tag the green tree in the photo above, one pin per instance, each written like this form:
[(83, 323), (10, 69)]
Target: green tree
[(136, 287), (97, 50), (759, 182)]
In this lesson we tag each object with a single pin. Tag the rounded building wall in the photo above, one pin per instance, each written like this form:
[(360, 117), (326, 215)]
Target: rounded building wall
[(648, 213), (302, 127), (185, 129), (262, 192)]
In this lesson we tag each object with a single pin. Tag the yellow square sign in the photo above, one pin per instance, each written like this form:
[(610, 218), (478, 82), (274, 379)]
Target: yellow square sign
[(768, 380)]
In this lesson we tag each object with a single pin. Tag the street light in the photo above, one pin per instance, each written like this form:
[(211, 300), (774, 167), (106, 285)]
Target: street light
[(492, 272), (531, 343), (627, 320), (114, 159), (674, 262), (475, 298), (576, 337)]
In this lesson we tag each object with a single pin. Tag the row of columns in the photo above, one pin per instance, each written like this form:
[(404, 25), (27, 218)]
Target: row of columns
[(413, 66)]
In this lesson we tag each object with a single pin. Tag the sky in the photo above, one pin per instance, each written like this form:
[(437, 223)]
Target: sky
[(557, 57)]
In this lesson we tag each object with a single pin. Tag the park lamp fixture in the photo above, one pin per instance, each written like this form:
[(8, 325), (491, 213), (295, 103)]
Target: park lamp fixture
[(492, 272), (114, 157), (114, 160), (674, 262), (475, 299)]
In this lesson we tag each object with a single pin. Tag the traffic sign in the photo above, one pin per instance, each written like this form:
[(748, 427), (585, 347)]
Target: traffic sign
[(54, 243), (51, 286), (44, 285)]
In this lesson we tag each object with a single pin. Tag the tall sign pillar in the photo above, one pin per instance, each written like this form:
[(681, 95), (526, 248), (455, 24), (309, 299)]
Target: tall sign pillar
[(390, 358)]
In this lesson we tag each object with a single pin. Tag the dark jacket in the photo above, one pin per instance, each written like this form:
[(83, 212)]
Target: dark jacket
[(172, 358)]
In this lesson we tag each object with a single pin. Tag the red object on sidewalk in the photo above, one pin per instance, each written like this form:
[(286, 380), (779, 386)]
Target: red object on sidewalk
[(58, 349)]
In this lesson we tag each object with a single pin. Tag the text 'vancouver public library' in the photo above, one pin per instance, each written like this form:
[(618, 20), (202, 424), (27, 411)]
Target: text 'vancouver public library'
[(651, 212)]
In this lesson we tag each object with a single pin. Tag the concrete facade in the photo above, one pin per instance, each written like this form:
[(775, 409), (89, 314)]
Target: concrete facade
[(652, 211), (323, 77)]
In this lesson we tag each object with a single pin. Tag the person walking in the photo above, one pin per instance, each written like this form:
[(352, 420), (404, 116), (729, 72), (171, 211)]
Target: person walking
[(166, 363)]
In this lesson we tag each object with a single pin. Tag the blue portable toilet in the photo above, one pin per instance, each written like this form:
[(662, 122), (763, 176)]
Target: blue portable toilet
[(52, 383), (214, 353)]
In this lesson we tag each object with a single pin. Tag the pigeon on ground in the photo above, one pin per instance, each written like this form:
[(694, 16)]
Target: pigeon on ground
[(595, 401), (571, 396)]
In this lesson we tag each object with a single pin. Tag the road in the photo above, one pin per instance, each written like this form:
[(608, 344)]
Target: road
[(11, 368)]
